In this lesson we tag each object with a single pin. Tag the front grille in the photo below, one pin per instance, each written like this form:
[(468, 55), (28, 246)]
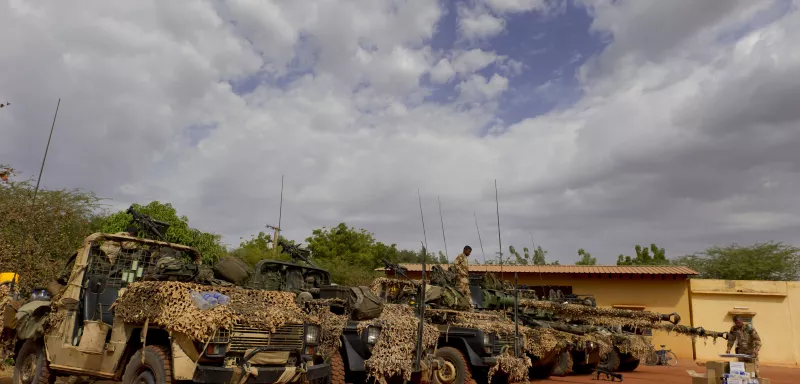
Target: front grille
[(288, 336), (503, 340)]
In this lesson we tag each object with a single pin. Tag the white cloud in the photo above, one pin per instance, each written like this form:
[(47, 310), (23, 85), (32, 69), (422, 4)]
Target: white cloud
[(509, 6), (442, 72), (478, 23), (478, 88), (661, 147)]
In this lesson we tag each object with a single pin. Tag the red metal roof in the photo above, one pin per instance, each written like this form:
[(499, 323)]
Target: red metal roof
[(574, 269)]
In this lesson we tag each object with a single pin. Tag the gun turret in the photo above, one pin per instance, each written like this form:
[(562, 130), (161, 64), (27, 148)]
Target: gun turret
[(398, 270), (297, 253), (147, 224)]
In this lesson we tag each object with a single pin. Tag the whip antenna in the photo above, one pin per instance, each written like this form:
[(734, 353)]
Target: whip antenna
[(33, 201)]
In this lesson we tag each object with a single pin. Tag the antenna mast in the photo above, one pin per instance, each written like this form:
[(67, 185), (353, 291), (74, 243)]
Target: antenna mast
[(479, 237), (499, 240), (443, 237), (280, 207), (33, 201), (421, 297)]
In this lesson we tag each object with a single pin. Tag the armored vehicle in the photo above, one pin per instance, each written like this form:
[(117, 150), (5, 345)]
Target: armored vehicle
[(470, 353), (82, 332), (311, 283)]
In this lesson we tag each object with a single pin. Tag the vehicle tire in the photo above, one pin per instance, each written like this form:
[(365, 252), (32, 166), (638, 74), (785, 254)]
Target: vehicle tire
[(583, 368), (31, 365), (670, 359), (610, 361), (543, 371), (629, 365), (455, 357), (337, 368), (155, 370), (563, 365)]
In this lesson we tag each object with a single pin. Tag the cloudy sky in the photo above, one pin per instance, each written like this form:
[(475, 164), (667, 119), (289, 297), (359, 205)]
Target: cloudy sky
[(605, 123)]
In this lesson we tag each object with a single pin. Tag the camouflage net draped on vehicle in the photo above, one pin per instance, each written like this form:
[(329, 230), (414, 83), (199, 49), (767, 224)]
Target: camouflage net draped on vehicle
[(583, 312), (395, 351), (515, 367), (380, 283), (491, 322), (169, 305)]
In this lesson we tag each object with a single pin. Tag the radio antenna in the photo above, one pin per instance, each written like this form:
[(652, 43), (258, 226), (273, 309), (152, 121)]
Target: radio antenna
[(33, 200), (499, 240), (421, 297), (479, 237), (541, 281), (280, 207), (443, 237)]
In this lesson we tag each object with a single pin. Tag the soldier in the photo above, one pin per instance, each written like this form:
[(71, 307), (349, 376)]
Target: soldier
[(461, 266), (746, 338)]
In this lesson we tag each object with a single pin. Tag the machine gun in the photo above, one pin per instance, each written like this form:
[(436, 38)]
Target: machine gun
[(398, 270), (296, 253), (147, 224)]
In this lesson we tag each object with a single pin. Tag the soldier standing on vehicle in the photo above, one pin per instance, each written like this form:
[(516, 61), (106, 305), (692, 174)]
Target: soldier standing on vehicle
[(461, 266), (746, 338)]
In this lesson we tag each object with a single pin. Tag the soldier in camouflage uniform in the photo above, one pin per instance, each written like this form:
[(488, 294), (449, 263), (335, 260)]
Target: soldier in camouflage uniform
[(746, 338), (461, 267)]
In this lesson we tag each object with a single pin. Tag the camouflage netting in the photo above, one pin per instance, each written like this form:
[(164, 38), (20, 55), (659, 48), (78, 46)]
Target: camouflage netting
[(332, 327), (169, 305), (582, 311), (636, 345), (516, 368), (540, 341), (492, 322), (391, 283), (395, 351)]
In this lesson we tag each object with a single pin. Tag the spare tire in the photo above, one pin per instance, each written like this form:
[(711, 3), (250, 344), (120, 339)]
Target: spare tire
[(233, 269)]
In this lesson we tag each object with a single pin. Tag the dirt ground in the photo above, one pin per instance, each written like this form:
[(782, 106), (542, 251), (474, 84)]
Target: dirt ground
[(643, 374), (677, 374)]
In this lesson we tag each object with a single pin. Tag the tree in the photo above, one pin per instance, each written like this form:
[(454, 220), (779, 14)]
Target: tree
[(259, 247), (643, 256), (55, 226), (761, 261), (208, 244), (537, 258), (586, 258)]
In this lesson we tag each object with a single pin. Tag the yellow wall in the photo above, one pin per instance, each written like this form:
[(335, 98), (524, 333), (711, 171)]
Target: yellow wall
[(776, 316), (654, 293)]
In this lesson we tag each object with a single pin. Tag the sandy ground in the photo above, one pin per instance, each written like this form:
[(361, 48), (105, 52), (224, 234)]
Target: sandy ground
[(678, 374), (643, 374)]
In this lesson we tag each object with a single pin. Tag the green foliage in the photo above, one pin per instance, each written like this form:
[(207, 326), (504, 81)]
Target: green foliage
[(761, 261), (208, 244), (586, 258), (259, 247), (644, 257), (56, 227), (537, 258)]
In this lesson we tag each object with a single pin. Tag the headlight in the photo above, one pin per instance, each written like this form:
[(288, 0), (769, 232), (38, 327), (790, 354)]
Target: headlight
[(372, 335), (312, 334), (487, 340), (590, 345)]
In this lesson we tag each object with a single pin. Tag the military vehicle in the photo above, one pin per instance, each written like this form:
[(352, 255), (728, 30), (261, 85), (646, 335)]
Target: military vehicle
[(80, 332), (469, 352), (310, 283)]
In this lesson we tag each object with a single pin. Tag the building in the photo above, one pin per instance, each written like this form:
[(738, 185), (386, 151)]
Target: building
[(773, 307), (663, 289)]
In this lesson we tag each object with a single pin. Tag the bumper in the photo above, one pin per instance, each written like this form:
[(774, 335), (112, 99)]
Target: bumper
[(489, 361), (266, 375)]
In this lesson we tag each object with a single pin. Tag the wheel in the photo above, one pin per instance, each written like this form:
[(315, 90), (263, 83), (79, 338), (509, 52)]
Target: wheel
[(31, 366), (583, 368), (542, 371), (456, 365), (629, 366), (155, 370), (337, 369), (651, 359), (670, 359), (610, 361), (563, 365)]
